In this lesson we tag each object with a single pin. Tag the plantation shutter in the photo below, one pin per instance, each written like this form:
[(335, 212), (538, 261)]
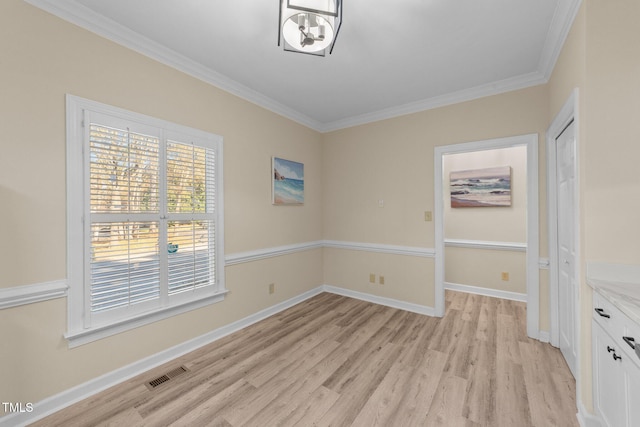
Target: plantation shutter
[(191, 216), (152, 219), (124, 211), (145, 233)]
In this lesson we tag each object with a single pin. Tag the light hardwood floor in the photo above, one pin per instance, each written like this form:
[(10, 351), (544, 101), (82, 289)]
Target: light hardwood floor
[(337, 361)]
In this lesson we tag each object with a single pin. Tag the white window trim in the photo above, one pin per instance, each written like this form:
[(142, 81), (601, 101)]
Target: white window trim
[(77, 333)]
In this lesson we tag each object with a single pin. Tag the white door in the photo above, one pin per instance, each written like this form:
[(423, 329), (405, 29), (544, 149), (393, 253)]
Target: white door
[(567, 286)]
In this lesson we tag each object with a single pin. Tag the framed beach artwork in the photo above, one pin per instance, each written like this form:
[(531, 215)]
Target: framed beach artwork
[(481, 187), (287, 182)]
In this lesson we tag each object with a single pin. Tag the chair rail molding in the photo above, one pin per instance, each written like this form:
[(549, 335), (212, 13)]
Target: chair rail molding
[(28, 294), (485, 244), (381, 248)]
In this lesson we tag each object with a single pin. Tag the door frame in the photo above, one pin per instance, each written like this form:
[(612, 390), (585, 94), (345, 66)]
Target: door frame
[(567, 114), (533, 243)]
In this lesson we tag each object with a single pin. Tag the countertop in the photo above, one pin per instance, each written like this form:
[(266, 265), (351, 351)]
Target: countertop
[(618, 284)]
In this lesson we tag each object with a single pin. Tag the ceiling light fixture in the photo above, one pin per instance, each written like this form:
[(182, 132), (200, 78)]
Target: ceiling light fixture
[(309, 26)]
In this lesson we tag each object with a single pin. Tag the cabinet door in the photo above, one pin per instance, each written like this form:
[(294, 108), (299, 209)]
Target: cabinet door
[(632, 380), (609, 380)]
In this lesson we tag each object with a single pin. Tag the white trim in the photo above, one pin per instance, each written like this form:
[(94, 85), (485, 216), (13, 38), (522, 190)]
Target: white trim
[(80, 329), (73, 395), (563, 17), (532, 251), (489, 89), (587, 419), (88, 19), (477, 290), (484, 244), (381, 248), (28, 294), (249, 256), (20, 295), (543, 336), (568, 112), (81, 337), (68, 397), (543, 263), (389, 302), (560, 122)]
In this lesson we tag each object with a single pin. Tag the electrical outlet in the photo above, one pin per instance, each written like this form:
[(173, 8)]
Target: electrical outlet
[(505, 276), (372, 278), (381, 280), (272, 288)]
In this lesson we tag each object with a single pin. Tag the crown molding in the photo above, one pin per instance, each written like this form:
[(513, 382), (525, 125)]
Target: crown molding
[(86, 18), (489, 89), (561, 24)]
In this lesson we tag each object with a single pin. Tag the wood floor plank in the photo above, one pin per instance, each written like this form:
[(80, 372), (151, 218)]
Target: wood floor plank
[(512, 404), (480, 396), (357, 386), (338, 361), (281, 386), (446, 408)]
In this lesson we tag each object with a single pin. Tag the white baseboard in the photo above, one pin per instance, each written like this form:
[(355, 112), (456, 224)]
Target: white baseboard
[(515, 296), (586, 419), (68, 397), (389, 302), (544, 336)]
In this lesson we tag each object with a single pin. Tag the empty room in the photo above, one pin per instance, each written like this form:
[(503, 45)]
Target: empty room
[(319, 212)]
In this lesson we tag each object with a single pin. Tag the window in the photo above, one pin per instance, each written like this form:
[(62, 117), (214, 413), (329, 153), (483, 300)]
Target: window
[(144, 219)]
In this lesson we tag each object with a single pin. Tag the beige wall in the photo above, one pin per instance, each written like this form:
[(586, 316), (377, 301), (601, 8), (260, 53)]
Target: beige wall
[(568, 74), (347, 172), (484, 267), (496, 224), (602, 59), (43, 58), (392, 160)]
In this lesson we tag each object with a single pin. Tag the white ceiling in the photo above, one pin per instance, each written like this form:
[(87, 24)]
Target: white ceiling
[(390, 58)]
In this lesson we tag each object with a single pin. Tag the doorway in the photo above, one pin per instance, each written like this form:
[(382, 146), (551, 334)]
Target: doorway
[(564, 274), (532, 240)]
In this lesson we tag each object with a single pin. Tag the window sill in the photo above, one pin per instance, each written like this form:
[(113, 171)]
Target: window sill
[(78, 338)]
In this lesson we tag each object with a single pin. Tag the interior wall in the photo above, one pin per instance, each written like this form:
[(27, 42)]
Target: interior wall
[(481, 267), (392, 160), (493, 224), (601, 58), (610, 185), (43, 58)]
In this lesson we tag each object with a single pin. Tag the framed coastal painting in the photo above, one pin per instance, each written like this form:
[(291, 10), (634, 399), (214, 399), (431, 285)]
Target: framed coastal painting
[(481, 187), (287, 182)]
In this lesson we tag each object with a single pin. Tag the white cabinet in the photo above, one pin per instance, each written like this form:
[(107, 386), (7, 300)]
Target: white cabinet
[(608, 379), (633, 395), (616, 367)]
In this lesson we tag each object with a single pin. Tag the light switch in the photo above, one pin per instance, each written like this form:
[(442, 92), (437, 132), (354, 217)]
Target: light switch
[(427, 216), (381, 203)]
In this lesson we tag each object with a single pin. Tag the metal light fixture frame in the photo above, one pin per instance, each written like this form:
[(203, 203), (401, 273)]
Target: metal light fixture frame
[(338, 23)]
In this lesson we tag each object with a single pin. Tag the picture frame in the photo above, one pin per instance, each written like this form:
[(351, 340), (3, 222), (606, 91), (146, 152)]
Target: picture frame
[(287, 182), (488, 187)]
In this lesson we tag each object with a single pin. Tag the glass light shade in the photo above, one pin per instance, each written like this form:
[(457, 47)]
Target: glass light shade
[(318, 29), (309, 26)]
